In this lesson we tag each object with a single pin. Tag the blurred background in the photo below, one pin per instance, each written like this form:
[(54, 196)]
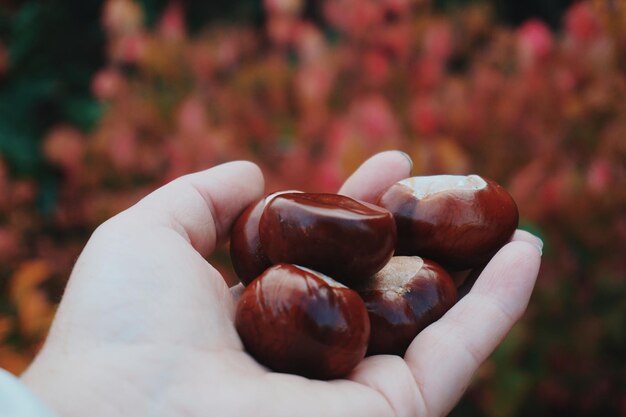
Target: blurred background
[(102, 101)]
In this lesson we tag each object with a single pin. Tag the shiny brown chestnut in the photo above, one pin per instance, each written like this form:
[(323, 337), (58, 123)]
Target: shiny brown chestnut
[(407, 295), (457, 221), (295, 320), (246, 253), (344, 238)]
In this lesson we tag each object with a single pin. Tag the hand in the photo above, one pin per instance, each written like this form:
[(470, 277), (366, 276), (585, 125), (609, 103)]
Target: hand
[(145, 327)]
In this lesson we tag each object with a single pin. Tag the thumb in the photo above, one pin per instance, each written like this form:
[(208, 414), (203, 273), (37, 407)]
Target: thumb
[(142, 277)]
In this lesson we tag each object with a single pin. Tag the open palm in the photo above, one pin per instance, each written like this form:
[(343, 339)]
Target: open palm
[(145, 327)]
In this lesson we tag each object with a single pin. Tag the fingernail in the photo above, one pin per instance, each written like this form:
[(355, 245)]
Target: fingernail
[(408, 158), (539, 245)]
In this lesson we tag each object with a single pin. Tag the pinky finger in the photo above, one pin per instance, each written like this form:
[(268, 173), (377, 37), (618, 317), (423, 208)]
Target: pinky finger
[(446, 354)]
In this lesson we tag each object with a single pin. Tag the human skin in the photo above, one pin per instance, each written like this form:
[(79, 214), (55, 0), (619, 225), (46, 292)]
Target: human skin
[(145, 327)]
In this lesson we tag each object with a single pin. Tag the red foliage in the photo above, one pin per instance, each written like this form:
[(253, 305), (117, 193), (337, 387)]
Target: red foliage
[(541, 112)]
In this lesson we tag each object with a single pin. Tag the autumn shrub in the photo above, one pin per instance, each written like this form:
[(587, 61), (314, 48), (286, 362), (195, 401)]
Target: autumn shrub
[(543, 113)]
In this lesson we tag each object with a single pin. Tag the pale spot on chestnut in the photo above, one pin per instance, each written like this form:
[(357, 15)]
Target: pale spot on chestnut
[(427, 185)]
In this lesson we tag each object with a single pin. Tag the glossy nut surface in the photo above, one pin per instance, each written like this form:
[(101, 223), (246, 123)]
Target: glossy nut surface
[(297, 321), (344, 238), (247, 256), (407, 295), (457, 221)]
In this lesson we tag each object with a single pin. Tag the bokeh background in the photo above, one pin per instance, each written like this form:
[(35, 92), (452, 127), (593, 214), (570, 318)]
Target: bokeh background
[(102, 101)]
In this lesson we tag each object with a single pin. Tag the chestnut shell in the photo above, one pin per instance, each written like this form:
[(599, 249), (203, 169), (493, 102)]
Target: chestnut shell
[(407, 295), (459, 228), (344, 238), (246, 253), (247, 256), (296, 321)]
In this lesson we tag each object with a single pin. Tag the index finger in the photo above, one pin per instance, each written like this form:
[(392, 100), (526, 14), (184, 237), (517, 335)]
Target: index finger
[(376, 175)]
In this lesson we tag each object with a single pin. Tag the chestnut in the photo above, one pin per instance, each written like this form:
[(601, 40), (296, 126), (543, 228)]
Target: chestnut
[(247, 256), (407, 295), (457, 221), (344, 238), (295, 320)]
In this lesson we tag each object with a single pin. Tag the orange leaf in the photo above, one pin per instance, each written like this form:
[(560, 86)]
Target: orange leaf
[(27, 277), (13, 361), (34, 310), (6, 324)]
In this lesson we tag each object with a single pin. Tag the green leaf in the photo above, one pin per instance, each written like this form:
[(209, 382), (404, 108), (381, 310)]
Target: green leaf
[(20, 148), (82, 112)]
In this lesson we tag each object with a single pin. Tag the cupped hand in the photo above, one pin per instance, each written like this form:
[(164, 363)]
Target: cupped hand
[(145, 327)]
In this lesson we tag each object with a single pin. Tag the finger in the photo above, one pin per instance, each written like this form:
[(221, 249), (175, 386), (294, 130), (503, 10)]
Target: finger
[(472, 276), (376, 175), (390, 376), (201, 207), (445, 355)]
